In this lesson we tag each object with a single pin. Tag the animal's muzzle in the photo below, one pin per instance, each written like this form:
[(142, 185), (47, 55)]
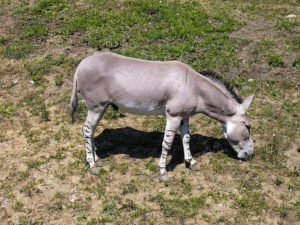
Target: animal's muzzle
[(246, 150)]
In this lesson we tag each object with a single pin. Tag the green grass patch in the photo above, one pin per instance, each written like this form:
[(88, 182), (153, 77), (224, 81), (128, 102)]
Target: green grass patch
[(110, 209), (252, 203), (152, 166), (285, 24), (296, 63), (131, 187), (18, 50), (3, 41), (294, 43), (58, 81), (130, 207), (180, 208), (49, 8), (6, 110), (35, 30), (275, 61)]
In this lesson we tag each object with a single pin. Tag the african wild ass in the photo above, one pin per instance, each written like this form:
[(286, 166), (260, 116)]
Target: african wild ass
[(169, 88)]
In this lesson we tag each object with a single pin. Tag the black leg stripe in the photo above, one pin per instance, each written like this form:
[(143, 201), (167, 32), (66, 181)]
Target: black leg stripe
[(165, 149), (167, 143), (171, 131)]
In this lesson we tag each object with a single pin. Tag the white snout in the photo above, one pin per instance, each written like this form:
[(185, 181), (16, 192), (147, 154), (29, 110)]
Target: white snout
[(246, 150)]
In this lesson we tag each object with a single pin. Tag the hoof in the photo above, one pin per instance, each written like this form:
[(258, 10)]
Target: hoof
[(195, 167), (95, 170), (164, 177)]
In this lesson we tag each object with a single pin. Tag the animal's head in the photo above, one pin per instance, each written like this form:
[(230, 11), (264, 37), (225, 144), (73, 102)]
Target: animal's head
[(237, 130)]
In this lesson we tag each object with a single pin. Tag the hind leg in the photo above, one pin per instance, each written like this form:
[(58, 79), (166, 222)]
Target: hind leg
[(89, 127)]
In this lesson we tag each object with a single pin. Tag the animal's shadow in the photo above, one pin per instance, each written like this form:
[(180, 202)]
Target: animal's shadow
[(141, 145)]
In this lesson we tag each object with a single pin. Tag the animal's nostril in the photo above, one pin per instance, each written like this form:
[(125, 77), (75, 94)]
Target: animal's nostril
[(254, 141)]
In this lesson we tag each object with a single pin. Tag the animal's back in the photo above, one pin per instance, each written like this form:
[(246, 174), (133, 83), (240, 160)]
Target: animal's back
[(137, 86)]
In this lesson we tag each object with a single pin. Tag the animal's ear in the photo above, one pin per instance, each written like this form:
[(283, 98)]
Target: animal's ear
[(247, 102)]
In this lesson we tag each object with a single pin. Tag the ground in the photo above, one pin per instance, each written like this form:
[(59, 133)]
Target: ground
[(255, 46)]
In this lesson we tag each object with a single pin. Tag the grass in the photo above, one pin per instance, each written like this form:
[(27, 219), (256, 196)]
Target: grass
[(251, 44), (275, 61), (178, 208), (18, 50)]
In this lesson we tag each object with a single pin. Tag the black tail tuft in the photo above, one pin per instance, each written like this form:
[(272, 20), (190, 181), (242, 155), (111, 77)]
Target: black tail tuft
[(74, 103)]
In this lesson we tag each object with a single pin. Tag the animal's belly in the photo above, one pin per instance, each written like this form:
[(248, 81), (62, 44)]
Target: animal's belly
[(142, 109)]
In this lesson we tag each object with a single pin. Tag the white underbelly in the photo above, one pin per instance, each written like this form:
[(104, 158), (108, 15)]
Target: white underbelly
[(143, 109)]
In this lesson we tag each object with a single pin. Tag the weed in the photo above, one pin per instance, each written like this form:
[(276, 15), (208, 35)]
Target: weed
[(283, 211), (31, 188), (42, 111), (185, 185), (289, 106), (130, 207), (35, 30), (18, 50), (275, 61), (294, 43), (252, 203), (23, 220), (23, 175), (59, 81), (110, 209), (131, 187), (6, 110), (4, 2), (59, 155), (296, 63), (34, 164), (3, 41), (285, 24), (58, 201), (152, 166), (49, 8), (182, 209), (121, 168), (111, 113), (100, 190), (18, 206)]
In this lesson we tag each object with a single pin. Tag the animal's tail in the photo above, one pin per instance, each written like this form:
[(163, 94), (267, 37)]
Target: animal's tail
[(74, 98)]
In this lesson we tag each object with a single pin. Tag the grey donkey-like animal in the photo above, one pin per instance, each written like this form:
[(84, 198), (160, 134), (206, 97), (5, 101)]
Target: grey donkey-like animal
[(168, 88)]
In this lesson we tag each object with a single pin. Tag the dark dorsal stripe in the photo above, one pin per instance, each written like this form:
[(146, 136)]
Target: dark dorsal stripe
[(218, 80)]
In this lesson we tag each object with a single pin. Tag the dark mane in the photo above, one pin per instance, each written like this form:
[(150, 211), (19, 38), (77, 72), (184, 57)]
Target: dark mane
[(221, 82)]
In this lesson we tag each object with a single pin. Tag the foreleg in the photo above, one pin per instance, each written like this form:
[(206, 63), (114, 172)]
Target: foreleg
[(170, 132), (185, 137)]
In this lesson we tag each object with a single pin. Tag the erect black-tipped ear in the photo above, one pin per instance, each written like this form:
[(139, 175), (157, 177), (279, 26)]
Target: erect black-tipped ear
[(247, 102)]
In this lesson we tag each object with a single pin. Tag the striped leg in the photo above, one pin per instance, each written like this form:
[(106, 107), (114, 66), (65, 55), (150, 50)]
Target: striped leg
[(170, 132), (185, 137), (88, 129)]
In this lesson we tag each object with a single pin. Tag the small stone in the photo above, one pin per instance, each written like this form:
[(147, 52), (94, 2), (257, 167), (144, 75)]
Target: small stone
[(291, 16), (246, 87), (73, 198), (31, 81), (250, 80)]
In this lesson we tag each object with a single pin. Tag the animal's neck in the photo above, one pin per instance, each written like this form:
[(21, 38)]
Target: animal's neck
[(214, 102)]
